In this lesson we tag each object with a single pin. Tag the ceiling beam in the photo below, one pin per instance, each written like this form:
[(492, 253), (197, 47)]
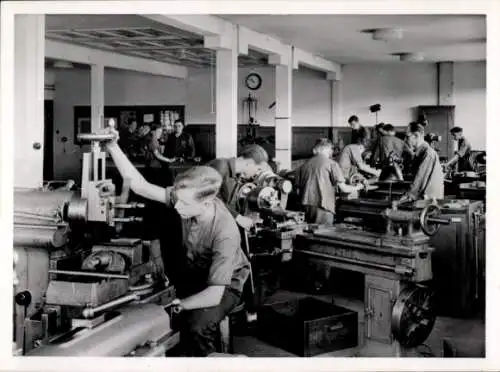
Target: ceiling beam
[(301, 57), (205, 25), (260, 42), (164, 47), (116, 38), (80, 54)]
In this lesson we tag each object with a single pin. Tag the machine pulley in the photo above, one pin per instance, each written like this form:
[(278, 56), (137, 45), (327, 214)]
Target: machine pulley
[(413, 316)]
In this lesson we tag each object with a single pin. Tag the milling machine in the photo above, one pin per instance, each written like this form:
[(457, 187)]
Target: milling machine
[(84, 290), (389, 245)]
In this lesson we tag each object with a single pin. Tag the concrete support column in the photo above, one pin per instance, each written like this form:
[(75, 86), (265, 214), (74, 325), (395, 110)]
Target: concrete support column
[(29, 71), (335, 103), (283, 119), (97, 96), (446, 84), (226, 75)]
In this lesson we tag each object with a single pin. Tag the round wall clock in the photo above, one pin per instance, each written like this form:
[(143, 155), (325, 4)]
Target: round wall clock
[(253, 81)]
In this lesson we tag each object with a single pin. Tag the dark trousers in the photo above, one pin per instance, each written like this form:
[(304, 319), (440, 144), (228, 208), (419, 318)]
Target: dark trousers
[(200, 328), (318, 215)]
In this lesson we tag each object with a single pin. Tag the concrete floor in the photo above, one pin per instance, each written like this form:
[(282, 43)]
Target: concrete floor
[(455, 329)]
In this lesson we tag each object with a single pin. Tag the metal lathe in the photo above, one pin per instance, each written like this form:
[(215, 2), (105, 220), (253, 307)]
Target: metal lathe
[(83, 290), (389, 245)]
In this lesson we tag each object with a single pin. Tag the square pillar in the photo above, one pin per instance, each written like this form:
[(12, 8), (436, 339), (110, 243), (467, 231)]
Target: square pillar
[(226, 86), (283, 118), (335, 100), (446, 84), (97, 97), (29, 92)]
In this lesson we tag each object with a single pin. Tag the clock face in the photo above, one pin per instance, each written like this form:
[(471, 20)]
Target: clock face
[(253, 81)]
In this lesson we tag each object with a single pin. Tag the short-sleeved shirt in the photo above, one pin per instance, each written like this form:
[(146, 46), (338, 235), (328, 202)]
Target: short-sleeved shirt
[(213, 250), (428, 176), (317, 181), (180, 147), (463, 152), (349, 160), (230, 184)]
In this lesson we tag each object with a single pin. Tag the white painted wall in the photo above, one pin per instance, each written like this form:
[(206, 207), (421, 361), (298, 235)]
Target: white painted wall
[(470, 101), (311, 95), (399, 88)]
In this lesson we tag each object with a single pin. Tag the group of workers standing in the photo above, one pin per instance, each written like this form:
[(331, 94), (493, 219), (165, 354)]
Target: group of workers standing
[(322, 177), (156, 149)]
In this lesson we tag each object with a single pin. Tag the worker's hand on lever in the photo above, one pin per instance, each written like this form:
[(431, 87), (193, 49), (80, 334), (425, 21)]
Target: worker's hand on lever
[(111, 129), (244, 222)]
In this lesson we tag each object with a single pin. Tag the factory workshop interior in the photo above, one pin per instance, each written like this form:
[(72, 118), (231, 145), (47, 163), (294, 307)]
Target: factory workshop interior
[(249, 185)]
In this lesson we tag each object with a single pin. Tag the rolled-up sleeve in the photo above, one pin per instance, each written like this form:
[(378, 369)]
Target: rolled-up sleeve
[(224, 253), (356, 157), (336, 175)]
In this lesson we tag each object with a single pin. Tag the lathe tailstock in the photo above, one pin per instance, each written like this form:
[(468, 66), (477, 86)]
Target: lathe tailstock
[(84, 290), (390, 246)]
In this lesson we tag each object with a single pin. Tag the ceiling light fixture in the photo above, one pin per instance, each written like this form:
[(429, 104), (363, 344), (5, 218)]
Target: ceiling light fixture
[(62, 64), (386, 34), (411, 57)]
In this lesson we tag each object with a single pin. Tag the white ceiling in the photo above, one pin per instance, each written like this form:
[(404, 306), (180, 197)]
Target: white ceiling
[(343, 38), (137, 36), (340, 38)]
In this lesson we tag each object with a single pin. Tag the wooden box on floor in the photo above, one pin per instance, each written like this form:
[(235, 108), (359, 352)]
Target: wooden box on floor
[(308, 327)]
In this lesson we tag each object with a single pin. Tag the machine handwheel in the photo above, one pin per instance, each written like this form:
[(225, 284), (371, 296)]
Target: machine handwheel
[(430, 211), (413, 316)]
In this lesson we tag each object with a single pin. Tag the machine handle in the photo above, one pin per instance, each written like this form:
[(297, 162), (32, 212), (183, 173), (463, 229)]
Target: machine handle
[(100, 137), (439, 221), (129, 205), (127, 219), (90, 312), (90, 273)]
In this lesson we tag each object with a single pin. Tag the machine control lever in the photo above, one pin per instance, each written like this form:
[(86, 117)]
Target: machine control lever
[(129, 205), (90, 312), (99, 137), (127, 219)]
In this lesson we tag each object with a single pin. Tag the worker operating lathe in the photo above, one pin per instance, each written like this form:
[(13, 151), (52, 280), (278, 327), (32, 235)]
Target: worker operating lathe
[(428, 179), (317, 181), (214, 268), (251, 160)]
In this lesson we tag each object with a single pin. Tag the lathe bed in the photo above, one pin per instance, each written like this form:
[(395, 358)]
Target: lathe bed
[(369, 253)]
